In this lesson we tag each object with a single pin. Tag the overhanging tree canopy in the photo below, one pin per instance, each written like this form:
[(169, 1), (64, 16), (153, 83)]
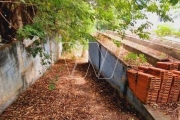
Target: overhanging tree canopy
[(75, 19)]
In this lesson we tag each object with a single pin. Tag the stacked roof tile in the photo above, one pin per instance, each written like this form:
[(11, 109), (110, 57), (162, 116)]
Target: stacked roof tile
[(156, 85)]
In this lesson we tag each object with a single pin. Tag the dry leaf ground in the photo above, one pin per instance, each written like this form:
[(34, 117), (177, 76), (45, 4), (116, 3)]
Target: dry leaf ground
[(59, 96)]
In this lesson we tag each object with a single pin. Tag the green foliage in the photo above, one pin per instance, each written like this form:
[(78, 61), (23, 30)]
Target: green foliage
[(167, 30), (117, 43), (131, 56), (52, 83), (174, 2), (140, 31), (177, 33), (72, 19), (45, 58), (164, 30), (85, 44), (28, 31), (142, 58), (38, 50), (119, 15), (135, 59), (51, 86), (76, 19)]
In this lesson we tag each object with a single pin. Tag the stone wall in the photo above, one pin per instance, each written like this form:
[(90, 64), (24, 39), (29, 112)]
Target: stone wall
[(18, 69)]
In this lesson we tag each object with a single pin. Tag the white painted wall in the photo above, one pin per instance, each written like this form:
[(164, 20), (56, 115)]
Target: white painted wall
[(18, 69)]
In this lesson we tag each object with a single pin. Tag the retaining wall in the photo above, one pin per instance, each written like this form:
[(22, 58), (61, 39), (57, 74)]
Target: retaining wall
[(169, 47), (18, 69), (113, 69)]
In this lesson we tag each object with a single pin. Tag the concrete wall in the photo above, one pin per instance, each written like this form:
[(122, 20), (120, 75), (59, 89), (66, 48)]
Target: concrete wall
[(114, 70), (18, 69), (166, 46)]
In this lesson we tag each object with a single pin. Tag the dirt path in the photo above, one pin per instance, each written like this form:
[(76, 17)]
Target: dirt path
[(58, 96)]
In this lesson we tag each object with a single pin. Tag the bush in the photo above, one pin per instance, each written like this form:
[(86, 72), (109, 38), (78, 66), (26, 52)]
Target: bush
[(164, 30), (177, 33)]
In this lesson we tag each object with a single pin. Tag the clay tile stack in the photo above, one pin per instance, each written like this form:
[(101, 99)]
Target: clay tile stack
[(151, 84), (176, 72), (165, 88), (132, 76), (175, 87), (146, 89), (165, 65), (144, 86), (168, 65), (166, 80), (178, 65)]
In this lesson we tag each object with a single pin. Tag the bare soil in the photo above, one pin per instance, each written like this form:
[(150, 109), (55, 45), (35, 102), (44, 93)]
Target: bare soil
[(171, 109), (64, 93)]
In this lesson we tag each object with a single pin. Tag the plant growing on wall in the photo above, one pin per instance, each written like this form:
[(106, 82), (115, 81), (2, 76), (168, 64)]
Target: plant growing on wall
[(135, 59), (117, 43)]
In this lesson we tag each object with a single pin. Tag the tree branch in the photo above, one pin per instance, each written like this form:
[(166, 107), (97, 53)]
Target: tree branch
[(15, 2), (28, 15), (7, 21)]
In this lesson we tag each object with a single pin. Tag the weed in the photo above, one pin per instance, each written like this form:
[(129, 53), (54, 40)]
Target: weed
[(136, 59), (51, 86), (52, 83), (131, 57), (142, 58), (117, 43)]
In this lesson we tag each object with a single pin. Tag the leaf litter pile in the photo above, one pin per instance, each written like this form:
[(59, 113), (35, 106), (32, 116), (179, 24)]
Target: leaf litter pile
[(66, 94)]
